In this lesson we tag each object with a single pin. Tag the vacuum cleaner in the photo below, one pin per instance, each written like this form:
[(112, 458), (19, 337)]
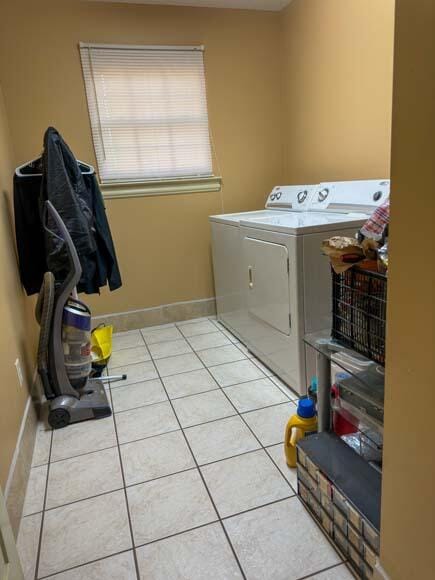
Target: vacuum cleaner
[(64, 350)]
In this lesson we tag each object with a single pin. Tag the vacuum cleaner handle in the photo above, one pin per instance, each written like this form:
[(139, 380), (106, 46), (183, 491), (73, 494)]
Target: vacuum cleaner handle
[(76, 268)]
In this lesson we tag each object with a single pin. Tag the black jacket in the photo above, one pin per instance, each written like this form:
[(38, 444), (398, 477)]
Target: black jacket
[(79, 202)]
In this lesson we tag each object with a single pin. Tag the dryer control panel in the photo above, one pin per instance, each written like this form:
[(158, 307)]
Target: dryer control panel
[(360, 196), (291, 197)]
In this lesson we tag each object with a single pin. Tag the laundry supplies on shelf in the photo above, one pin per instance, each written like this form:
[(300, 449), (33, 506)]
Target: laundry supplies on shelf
[(301, 424)]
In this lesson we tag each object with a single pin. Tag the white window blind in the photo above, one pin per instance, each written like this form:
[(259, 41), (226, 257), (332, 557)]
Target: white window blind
[(148, 111)]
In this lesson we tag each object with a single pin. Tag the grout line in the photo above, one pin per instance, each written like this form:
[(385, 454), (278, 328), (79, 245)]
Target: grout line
[(314, 574), (278, 467), (230, 457), (253, 509), (207, 489), (38, 552), (139, 407), (252, 431), (197, 466), (136, 563), (217, 388), (325, 535), (178, 534), (148, 437), (80, 454), (85, 564), (129, 485)]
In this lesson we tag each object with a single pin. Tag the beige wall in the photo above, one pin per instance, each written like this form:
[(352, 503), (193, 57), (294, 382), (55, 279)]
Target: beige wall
[(338, 64), (17, 327), (163, 243), (408, 508)]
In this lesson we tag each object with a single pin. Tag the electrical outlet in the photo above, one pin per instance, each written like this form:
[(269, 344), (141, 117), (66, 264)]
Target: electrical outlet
[(19, 372)]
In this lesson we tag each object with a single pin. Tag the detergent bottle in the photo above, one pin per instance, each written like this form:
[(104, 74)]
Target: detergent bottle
[(302, 423)]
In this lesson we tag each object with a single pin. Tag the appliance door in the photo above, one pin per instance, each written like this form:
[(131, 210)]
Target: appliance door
[(226, 248), (268, 280), (274, 302)]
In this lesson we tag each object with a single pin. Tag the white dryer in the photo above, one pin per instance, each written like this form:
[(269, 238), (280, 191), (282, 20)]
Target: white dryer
[(287, 280), (227, 254)]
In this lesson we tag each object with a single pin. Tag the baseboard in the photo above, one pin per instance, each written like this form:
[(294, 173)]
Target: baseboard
[(19, 471), (164, 314), (379, 573)]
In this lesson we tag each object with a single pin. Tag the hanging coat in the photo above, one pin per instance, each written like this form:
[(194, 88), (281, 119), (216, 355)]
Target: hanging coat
[(79, 202)]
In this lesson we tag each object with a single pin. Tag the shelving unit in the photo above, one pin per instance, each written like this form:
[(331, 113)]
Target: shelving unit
[(339, 486)]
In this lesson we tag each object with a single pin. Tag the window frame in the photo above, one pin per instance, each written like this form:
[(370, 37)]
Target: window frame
[(122, 188)]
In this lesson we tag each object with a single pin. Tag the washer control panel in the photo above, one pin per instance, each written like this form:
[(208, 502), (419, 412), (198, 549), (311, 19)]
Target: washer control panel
[(291, 197)]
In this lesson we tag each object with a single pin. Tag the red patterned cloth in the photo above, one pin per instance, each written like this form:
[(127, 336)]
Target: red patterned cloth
[(375, 225)]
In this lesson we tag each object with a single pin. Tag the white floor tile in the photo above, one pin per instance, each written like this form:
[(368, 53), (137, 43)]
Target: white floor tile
[(83, 477), (276, 452), (178, 364), (194, 555), (244, 482), (262, 367), (27, 544), (285, 388), (41, 452), (280, 542), (138, 395), (245, 351), (153, 336), (191, 383), (169, 348), (119, 567), (34, 500), (84, 531), (158, 327), (169, 505), (255, 395), (145, 422), (212, 340), (130, 339), (193, 321), (136, 373), (197, 328), (269, 424), (82, 438), (129, 356), (236, 372), (337, 573), (217, 356), (201, 408), (155, 457), (220, 439)]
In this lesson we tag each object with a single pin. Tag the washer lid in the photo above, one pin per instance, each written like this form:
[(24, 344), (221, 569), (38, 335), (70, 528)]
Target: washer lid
[(234, 219), (292, 197), (308, 222), (351, 196)]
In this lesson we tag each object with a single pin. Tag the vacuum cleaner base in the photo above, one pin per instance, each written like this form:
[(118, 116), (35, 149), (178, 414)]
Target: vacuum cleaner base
[(92, 403)]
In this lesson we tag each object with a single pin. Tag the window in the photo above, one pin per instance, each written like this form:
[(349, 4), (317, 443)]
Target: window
[(148, 112)]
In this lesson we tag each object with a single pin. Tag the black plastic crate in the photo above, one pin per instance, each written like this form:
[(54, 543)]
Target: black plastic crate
[(359, 311)]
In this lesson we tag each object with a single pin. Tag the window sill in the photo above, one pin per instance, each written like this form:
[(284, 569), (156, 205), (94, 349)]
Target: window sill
[(120, 189)]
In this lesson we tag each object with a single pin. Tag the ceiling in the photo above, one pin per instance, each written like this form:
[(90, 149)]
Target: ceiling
[(246, 4)]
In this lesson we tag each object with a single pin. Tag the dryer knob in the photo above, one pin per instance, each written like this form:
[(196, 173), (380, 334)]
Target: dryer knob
[(377, 196), (302, 196), (323, 194)]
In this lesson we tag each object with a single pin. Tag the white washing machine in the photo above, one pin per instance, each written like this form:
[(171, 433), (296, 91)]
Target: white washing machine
[(227, 250), (287, 280)]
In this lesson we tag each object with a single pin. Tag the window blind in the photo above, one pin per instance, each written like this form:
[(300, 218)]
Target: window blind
[(148, 111)]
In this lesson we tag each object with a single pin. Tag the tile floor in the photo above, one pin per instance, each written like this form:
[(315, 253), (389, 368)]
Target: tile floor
[(187, 480)]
